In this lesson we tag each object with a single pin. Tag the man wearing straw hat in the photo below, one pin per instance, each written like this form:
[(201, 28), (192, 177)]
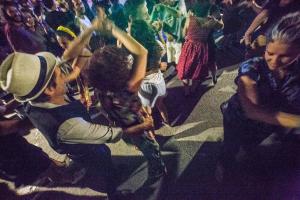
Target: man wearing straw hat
[(38, 81)]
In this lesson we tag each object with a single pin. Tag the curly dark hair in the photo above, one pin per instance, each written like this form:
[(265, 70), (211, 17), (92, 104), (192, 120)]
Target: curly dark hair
[(109, 69), (145, 35)]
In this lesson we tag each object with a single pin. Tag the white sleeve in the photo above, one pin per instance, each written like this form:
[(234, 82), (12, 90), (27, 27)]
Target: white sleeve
[(78, 131)]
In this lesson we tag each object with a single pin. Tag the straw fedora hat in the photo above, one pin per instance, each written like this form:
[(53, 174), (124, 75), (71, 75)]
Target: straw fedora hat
[(26, 76)]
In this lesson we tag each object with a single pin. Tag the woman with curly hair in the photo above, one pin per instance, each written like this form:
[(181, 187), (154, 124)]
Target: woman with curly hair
[(153, 88)]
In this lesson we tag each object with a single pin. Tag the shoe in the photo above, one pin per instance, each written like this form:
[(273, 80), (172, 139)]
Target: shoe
[(71, 173), (29, 189)]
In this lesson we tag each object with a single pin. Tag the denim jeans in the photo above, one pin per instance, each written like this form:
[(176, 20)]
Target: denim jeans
[(151, 151)]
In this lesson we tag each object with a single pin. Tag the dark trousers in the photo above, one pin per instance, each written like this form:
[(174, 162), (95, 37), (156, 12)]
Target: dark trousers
[(151, 151), (96, 157), (243, 132)]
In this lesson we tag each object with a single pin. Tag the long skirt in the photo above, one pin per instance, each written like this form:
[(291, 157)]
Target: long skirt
[(195, 60)]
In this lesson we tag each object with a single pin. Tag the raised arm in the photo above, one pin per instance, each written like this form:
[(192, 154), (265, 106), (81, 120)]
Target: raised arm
[(255, 7), (106, 26), (78, 64), (139, 53), (186, 24), (78, 44), (259, 19), (247, 90)]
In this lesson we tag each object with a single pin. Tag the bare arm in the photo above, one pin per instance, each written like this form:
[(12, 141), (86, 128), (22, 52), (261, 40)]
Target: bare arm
[(186, 25), (259, 19), (257, 8), (140, 57), (248, 96), (79, 43), (78, 64), (106, 26), (146, 125)]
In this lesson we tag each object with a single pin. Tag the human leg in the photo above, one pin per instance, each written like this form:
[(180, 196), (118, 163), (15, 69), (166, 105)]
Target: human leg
[(151, 151), (186, 87), (213, 71), (96, 158), (241, 137), (195, 84), (162, 109)]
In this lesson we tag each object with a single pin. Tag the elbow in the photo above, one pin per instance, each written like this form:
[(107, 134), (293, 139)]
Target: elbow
[(144, 52), (65, 55), (133, 86)]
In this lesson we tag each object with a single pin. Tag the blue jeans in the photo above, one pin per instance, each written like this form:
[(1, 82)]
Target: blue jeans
[(151, 151)]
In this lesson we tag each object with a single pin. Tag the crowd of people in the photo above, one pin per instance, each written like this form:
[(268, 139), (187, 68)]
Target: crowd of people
[(62, 59)]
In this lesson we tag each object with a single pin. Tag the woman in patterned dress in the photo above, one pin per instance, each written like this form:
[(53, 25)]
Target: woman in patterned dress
[(196, 58)]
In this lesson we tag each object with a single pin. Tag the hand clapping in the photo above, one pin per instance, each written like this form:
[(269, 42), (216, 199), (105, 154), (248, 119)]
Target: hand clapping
[(102, 23)]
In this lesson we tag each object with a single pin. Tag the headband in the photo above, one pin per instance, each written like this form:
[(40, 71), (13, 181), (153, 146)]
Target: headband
[(66, 30)]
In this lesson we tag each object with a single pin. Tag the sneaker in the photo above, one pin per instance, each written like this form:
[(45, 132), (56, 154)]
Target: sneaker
[(70, 174), (29, 189)]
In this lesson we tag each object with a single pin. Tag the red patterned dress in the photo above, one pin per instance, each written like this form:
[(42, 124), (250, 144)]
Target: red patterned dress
[(196, 56)]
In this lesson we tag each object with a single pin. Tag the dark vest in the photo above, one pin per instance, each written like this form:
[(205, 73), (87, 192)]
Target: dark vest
[(48, 120)]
